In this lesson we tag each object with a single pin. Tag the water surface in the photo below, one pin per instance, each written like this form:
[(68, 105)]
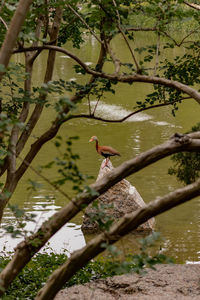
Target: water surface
[(179, 226)]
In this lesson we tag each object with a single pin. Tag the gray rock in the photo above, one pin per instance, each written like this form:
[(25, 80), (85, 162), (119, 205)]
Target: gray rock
[(122, 198), (167, 282)]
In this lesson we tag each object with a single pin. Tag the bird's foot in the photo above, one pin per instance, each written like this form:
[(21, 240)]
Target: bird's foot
[(105, 165)]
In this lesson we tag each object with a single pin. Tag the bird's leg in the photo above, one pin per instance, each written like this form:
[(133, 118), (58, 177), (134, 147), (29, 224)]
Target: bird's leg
[(105, 165)]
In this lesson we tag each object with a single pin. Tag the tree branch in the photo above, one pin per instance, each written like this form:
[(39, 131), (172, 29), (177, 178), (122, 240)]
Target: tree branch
[(4, 23), (124, 226), (183, 39), (48, 76), (52, 131), (92, 116), (142, 29), (192, 5), (125, 38), (10, 163), (26, 249), (123, 77), (157, 54), (85, 23)]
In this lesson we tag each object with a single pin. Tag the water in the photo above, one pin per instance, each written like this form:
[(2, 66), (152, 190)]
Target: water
[(180, 226)]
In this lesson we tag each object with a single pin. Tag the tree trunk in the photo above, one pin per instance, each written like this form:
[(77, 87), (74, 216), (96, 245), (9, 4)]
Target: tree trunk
[(13, 31)]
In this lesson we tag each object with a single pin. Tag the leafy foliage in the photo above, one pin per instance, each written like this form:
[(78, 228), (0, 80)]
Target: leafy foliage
[(100, 215), (35, 274), (81, 20), (186, 165)]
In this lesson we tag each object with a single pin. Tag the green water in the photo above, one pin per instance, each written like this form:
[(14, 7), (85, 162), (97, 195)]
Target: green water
[(180, 226)]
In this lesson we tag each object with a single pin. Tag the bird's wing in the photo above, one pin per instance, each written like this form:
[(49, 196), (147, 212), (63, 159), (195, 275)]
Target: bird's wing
[(109, 150)]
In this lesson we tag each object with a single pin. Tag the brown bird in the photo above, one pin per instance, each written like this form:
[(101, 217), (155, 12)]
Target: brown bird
[(105, 151)]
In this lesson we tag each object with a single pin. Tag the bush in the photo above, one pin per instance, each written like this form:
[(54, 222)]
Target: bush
[(186, 164)]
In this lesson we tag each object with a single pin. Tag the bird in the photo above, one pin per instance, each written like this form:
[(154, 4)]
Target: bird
[(105, 151)]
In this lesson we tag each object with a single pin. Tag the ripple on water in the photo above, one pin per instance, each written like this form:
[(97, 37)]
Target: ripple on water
[(68, 239), (115, 112)]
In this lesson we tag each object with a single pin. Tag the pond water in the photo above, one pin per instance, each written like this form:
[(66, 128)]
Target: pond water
[(180, 226)]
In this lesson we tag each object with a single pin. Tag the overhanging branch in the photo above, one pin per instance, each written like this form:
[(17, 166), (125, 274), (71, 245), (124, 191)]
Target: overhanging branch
[(92, 116), (125, 225), (123, 77), (26, 249)]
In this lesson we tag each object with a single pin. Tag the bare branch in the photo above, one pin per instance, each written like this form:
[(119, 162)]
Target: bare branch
[(124, 78), (125, 225), (142, 29), (15, 148), (48, 76), (4, 23), (2, 5), (192, 5), (52, 131), (157, 54), (28, 248), (115, 60), (92, 116), (183, 39), (125, 38)]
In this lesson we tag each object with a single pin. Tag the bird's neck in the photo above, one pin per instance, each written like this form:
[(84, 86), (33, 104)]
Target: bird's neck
[(97, 145)]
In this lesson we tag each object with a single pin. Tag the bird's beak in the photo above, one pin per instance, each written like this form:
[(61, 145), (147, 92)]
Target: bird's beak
[(91, 140)]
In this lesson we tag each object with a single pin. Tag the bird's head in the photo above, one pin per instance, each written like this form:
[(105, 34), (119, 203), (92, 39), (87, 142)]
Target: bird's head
[(93, 138)]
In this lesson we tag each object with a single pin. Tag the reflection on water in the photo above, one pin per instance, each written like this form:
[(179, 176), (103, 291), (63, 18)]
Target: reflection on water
[(116, 112), (68, 239), (180, 226)]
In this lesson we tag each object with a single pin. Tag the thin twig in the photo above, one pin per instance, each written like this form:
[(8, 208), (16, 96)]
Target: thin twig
[(83, 21), (157, 54), (124, 78), (44, 178), (183, 40), (126, 117), (142, 29), (96, 106), (2, 5), (4, 23), (115, 60), (125, 38), (89, 104)]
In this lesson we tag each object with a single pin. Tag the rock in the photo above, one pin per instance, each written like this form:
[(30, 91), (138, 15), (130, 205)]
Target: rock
[(122, 197), (167, 282)]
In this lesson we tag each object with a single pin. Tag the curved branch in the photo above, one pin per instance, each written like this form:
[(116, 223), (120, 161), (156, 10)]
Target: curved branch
[(52, 131), (92, 116), (123, 77), (124, 226), (26, 249)]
